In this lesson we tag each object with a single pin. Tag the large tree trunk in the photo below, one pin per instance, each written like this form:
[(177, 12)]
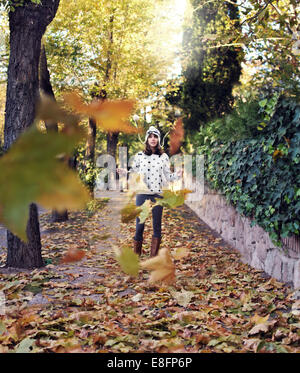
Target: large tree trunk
[(21, 255), (46, 89), (112, 138), (27, 25), (112, 141), (91, 141)]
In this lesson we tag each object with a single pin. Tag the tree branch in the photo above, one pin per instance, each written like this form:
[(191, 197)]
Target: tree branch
[(278, 11), (257, 13)]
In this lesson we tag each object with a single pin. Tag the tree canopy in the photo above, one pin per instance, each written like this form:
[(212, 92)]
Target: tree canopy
[(116, 45)]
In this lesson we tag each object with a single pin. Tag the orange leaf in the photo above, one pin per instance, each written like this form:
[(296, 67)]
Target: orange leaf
[(176, 136), (73, 255), (111, 116), (277, 154)]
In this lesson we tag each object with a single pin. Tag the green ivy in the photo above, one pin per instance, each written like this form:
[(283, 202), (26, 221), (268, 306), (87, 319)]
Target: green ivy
[(260, 176)]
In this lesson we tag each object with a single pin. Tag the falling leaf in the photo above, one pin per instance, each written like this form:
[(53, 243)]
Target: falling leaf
[(162, 267), (73, 255), (111, 116), (173, 199), (31, 172), (128, 260), (136, 182), (130, 212), (176, 136), (146, 207), (50, 110)]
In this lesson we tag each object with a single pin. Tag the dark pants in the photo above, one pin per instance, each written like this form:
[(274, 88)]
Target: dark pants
[(156, 216)]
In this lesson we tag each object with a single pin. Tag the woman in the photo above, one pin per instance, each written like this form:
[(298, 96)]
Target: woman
[(154, 165)]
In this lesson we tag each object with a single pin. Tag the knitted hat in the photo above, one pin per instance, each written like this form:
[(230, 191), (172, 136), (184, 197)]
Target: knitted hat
[(153, 130)]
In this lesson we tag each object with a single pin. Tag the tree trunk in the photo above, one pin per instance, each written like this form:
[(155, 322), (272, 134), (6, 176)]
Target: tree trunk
[(91, 141), (21, 255), (46, 89), (46, 86), (27, 25), (112, 138), (112, 141)]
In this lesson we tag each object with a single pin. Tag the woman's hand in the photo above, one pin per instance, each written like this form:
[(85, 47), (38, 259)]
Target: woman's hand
[(122, 171), (179, 173)]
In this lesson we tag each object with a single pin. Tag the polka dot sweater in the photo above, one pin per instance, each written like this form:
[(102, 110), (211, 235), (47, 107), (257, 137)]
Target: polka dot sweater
[(156, 171)]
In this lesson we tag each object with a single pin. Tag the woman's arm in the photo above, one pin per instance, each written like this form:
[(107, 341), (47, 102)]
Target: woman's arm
[(166, 169), (135, 167)]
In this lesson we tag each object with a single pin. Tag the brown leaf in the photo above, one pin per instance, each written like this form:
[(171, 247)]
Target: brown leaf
[(176, 136), (162, 267)]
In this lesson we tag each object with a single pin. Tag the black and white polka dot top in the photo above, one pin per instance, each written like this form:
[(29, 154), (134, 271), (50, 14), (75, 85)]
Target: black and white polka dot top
[(156, 171)]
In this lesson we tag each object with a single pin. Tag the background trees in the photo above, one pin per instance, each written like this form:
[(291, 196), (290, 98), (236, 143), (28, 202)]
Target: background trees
[(209, 74), (122, 47)]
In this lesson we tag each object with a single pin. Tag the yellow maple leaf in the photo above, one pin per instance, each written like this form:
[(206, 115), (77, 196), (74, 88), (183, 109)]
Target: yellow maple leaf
[(162, 267)]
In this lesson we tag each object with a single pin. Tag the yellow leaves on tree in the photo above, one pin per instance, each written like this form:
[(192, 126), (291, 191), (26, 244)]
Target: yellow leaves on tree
[(111, 116), (32, 170), (162, 267)]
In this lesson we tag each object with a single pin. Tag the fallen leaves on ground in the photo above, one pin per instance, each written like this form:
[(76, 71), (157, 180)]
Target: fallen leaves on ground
[(73, 255), (91, 305)]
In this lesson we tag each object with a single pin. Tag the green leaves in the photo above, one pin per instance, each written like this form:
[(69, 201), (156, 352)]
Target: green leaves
[(173, 199), (260, 175), (128, 260), (31, 171), (130, 212)]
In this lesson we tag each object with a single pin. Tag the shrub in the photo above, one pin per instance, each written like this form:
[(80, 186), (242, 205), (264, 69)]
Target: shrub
[(261, 175)]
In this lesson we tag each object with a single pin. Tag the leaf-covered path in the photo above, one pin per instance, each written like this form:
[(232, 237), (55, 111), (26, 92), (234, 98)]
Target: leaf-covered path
[(217, 304)]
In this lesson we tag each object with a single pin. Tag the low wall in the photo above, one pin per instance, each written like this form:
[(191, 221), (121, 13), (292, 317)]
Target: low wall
[(253, 243)]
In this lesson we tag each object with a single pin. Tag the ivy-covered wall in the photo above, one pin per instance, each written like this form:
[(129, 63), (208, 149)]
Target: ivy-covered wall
[(261, 176)]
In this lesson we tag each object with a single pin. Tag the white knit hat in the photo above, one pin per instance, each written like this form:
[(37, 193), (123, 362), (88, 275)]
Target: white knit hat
[(153, 130)]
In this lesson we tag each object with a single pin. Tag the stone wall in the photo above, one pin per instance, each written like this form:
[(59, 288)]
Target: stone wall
[(253, 243)]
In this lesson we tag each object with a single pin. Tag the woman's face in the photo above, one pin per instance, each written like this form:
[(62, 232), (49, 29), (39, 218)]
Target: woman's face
[(152, 140)]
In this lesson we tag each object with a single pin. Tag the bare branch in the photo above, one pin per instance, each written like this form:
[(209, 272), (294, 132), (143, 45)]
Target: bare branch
[(278, 11), (257, 13)]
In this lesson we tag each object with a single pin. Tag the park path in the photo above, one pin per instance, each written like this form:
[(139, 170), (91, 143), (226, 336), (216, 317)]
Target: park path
[(217, 304)]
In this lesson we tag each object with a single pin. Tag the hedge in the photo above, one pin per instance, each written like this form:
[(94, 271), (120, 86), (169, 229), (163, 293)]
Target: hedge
[(261, 176)]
